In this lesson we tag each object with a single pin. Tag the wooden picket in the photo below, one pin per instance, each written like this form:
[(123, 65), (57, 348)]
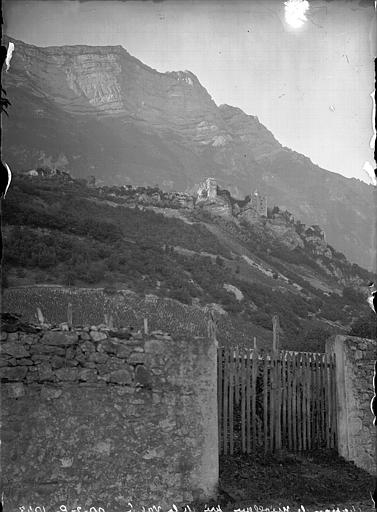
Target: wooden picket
[(265, 405), (275, 401), (289, 401)]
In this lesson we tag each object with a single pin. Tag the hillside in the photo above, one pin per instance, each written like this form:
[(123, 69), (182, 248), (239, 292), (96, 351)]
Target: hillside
[(100, 111), (59, 231)]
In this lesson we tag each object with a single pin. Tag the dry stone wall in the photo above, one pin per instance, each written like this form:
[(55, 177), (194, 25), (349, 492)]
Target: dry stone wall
[(97, 418), (355, 358)]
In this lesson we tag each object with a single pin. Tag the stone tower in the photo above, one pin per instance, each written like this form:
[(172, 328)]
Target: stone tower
[(259, 203), (211, 188), (207, 190)]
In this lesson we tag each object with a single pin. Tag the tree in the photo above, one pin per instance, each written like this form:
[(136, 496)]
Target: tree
[(219, 261), (364, 327), (352, 296), (315, 339), (181, 295), (94, 273)]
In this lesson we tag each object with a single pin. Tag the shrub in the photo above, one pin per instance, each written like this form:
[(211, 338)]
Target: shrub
[(364, 327)]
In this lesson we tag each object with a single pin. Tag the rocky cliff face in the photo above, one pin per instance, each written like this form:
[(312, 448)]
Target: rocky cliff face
[(100, 111)]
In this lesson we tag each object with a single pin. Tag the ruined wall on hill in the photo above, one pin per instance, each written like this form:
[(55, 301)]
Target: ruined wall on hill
[(355, 358), (103, 419)]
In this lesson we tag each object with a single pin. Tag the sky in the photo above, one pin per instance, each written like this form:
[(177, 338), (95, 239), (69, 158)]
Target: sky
[(310, 86)]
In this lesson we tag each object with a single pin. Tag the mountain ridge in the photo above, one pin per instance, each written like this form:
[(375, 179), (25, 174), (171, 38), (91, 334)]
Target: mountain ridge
[(125, 122)]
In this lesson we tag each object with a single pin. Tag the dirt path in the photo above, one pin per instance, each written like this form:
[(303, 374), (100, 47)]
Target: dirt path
[(316, 480)]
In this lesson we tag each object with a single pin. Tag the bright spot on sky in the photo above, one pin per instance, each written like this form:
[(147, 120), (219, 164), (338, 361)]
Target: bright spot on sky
[(295, 12)]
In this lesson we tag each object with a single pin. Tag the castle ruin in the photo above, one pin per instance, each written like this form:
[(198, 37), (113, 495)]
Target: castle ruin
[(208, 189), (255, 207)]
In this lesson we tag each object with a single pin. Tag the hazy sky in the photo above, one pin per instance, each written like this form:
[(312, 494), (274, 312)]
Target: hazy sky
[(310, 86)]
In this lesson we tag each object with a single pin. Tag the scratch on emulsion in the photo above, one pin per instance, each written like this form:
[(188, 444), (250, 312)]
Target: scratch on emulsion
[(6, 174)]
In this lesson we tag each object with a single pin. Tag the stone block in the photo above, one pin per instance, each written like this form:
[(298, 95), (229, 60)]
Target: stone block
[(123, 376), (156, 399), (28, 339), (80, 357), (98, 357), (88, 375), (15, 390), (14, 349), (66, 462), (123, 334), (137, 348), (108, 346), (32, 376), (40, 357), (84, 335), (143, 377), (57, 362), (112, 365), (103, 447), (137, 358), (67, 374), (123, 351), (89, 364), (38, 348), (154, 453), (70, 353), (45, 371), (13, 336), (59, 338), (50, 393), (133, 342), (167, 424), (97, 335), (154, 346), (87, 347), (355, 425), (25, 362), (14, 373), (125, 390)]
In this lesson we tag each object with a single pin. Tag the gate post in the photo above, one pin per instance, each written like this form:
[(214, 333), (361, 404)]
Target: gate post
[(354, 373), (336, 346)]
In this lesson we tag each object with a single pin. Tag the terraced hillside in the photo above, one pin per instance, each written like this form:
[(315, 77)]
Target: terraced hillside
[(77, 239)]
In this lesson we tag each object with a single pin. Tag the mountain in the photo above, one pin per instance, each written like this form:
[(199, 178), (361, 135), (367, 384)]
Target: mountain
[(99, 111), (140, 251)]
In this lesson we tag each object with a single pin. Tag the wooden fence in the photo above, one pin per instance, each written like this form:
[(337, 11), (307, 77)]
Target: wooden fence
[(282, 400)]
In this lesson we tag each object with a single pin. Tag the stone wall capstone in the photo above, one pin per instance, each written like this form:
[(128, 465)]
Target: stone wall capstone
[(355, 359), (92, 417)]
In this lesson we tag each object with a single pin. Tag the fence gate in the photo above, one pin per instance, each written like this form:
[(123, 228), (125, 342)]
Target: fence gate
[(274, 401)]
